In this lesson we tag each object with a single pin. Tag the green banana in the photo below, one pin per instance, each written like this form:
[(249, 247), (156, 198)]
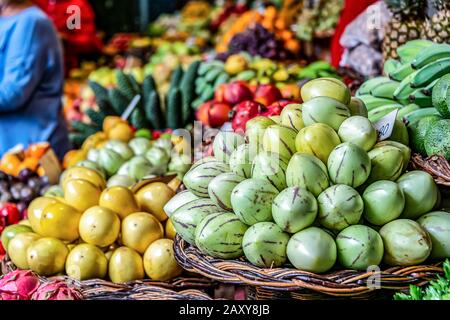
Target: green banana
[(404, 89), (434, 53), (385, 90), (221, 79), (428, 90), (419, 114), (246, 75), (197, 103), (420, 99), (367, 86), (207, 94), (431, 72), (200, 85), (205, 67), (402, 72), (372, 102), (212, 74), (390, 65), (378, 113), (408, 51), (407, 109)]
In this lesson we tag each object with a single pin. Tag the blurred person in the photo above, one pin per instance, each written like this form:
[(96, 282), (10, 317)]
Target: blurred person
[(78, 43), (31, 78)]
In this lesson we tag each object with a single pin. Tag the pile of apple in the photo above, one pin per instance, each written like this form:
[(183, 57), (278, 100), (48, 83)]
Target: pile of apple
[(96, 232), (239, 102)]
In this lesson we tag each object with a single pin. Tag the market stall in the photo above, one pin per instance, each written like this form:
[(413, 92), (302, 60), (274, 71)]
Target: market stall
[(253, 150)]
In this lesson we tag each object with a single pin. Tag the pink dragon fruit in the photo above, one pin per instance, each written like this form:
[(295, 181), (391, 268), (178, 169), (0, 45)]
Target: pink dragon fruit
[(18, 285), (56, 290)]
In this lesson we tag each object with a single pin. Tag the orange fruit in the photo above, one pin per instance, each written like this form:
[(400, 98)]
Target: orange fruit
[(73, 157), (93, 140), (37, 150), (122, 132), (110, 122)]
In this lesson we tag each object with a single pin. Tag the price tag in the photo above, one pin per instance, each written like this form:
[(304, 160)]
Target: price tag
[(385, 125), (52, 168)]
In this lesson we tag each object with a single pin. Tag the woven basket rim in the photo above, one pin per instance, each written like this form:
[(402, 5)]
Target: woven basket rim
[(179, 288), (336, 283)]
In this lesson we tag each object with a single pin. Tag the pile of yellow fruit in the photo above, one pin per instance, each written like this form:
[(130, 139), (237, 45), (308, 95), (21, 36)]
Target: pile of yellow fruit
[(98, 232), (114, 128)]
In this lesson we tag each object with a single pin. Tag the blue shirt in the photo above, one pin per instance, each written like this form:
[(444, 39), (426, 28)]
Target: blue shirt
[(31, 82)]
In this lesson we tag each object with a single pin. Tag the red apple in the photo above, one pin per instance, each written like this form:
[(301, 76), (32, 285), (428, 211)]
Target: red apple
[(291, 91), (218, 114), (213, 113), (275, 108), (267, 94), (202, 113), (244, 112), (236, 92), (219, 93)]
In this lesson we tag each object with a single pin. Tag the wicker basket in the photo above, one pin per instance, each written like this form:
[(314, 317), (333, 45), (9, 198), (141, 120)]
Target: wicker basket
[(437, 166), (182, 288), (290, 283)]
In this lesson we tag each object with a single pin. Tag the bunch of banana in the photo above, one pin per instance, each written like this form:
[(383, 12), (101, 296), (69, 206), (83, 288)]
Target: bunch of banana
[(210, 75), (407, 83), (318, 69), (265, 71)]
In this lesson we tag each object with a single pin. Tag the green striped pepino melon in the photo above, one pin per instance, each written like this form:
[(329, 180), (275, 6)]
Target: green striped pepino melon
[(225, 143), (220, 189), (186, 218), (252, 200), (349, 164), (265, 245), (197, 180), (271, 167), (308, 172), (220, 235)]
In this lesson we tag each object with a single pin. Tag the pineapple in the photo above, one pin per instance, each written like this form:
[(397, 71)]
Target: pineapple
[(406, 24), (437, 26)]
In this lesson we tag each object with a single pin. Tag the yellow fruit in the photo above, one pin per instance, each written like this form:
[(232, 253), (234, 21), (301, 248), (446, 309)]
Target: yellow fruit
[(47, 256), (18, 247), (72, 157), (81, 194), (318, 140), (108, 254), (153, 197), (125, 265), (159, 261), (25, 222), (110, 122), (120, 200), (170, 231), (235, 64), (93, 140), (60, 221), (99, 226), (139, 230), (86, 261), (83, 173), (35, 211), (121, 131), (281, 75)]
